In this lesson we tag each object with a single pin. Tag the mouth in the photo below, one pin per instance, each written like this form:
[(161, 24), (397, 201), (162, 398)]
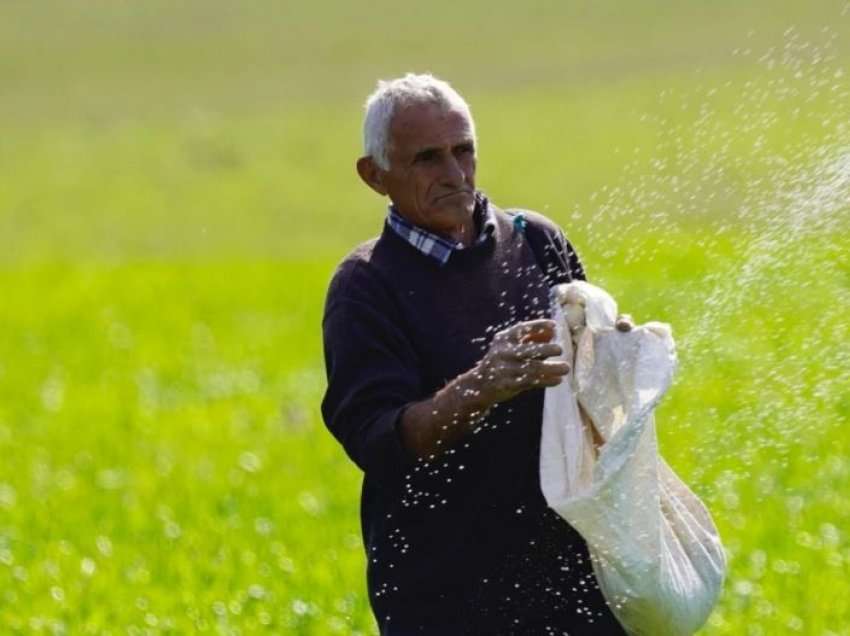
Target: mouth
[(454, 194)]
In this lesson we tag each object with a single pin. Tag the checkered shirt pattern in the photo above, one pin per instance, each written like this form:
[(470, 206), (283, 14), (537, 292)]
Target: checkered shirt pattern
[(435, 246)]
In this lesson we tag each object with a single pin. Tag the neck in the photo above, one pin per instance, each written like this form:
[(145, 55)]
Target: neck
[(464, 234)]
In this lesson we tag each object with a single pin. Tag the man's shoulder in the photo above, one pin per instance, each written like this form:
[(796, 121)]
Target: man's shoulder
[(361, 255), (554, 252), (357, 263), (535, 219), (358, 276)]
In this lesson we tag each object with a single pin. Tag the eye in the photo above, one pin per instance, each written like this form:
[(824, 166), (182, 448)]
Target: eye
[(426, 155), (465, 149)]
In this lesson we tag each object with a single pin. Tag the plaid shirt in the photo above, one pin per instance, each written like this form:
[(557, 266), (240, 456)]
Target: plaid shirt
[(436, 246)]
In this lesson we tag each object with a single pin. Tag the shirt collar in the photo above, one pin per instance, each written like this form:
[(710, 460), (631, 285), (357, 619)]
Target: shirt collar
[(436, 246)]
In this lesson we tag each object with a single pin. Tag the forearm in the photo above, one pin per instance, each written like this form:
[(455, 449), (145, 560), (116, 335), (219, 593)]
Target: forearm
[(516, 361), (430, 426)]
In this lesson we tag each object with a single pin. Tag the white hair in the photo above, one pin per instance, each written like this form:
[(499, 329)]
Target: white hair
[(401, 92)]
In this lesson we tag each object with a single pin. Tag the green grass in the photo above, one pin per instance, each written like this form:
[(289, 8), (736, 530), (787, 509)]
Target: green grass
[(177, 185), (159, 425)]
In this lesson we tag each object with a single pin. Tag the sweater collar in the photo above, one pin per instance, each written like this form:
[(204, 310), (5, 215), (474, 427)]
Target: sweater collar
[(436, 246)]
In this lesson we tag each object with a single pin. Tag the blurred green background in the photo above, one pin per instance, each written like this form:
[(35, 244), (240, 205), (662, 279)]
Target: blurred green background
[(177, 185)]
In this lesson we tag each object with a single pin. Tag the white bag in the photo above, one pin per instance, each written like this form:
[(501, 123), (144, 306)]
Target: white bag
[(655, 549)]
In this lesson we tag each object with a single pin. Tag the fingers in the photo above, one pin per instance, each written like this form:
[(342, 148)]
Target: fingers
[(521, 358), (549, 382), (538, 374), (504, 375), (541, 330), (534, 371), (535, 351), (624, 323), (552, 368)]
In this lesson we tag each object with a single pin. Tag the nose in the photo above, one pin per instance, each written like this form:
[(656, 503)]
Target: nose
[(454, 175)]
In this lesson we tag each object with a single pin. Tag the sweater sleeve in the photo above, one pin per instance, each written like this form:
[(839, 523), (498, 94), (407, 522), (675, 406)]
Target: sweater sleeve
[(572, 259), (373, 375), (554, 253)]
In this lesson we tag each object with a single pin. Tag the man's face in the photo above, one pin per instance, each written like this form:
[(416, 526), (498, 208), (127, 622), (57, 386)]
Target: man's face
[(431, 179)]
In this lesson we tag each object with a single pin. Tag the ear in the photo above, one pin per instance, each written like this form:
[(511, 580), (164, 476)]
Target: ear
[(372, 174)]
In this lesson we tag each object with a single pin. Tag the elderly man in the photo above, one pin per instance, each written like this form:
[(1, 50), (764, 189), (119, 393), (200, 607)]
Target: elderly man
[(437, 347)]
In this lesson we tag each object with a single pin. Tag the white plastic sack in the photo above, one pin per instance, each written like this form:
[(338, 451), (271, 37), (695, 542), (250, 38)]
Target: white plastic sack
[(655, 549)]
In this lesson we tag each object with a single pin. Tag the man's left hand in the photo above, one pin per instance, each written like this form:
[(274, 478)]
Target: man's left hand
[(624, 323)]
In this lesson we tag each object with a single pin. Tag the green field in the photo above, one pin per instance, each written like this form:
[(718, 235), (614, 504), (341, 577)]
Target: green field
[(177, 185)]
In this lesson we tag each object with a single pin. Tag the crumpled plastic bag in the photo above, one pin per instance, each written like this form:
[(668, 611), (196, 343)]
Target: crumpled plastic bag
[(655, 550)]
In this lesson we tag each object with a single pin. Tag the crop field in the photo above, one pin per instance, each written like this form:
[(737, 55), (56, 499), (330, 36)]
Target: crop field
[(177, 185)]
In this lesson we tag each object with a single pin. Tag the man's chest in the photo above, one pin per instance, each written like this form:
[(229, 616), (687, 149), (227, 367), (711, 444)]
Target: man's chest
[(453, 320)]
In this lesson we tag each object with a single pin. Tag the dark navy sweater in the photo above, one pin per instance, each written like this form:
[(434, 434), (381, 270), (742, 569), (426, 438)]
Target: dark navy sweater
[(461, 543)]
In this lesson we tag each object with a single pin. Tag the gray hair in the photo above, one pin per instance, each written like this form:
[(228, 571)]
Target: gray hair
[(398, 93)]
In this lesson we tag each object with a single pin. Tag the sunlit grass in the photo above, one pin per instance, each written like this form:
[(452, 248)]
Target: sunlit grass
[(170, 217), (165, 466)]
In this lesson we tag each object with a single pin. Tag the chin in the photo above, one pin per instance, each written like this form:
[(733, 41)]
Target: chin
[(457, 206), (444, 220), (454, 214)]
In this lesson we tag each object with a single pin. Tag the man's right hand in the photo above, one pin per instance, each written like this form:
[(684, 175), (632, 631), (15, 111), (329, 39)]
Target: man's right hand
[(518, 360)]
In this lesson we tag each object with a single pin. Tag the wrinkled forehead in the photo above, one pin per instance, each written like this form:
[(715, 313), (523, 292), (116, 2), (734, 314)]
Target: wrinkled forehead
[(430, 124)]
